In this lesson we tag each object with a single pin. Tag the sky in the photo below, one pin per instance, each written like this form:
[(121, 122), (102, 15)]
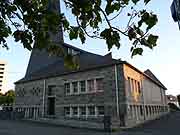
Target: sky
[(163, 60)]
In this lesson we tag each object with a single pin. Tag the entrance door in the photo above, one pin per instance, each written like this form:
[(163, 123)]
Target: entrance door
[(51, 106)]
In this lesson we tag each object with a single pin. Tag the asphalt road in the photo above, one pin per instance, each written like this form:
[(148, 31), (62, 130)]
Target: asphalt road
[(168, 125)]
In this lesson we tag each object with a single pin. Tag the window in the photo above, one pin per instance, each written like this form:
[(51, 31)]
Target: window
[(1, 68), (1, 72), (67, 88), (1, 76), (69, 51), (141, 110), (132, 85), (51, 90), (147, 111), (75, 87), (2, 64), (90, 85), (67, 111), (75, 111), (74, 52), (82, 110), (99, 84), (129, 84), (100, 110), (91, 110), (83, 86), (139, 87)]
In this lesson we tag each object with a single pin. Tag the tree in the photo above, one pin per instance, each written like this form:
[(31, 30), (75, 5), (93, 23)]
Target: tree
[(10, 97), (7, 98), (30, 22)]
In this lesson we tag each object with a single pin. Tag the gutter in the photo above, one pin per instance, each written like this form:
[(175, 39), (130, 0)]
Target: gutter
[(117, 90), (44, 93)]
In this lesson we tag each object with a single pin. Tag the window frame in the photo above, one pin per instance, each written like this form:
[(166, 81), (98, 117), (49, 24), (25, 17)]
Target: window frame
[(65, 84)]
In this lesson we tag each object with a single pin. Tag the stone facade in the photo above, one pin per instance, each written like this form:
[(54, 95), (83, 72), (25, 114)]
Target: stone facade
[(146, 101), (125, 106)]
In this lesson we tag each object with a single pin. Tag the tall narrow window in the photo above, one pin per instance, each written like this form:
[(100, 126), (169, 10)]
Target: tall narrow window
[(139, 87), (75, 87), (67, 111), (129, 84), (99, 84), (100, 110), (132, 86), (82, 86), (82, 110), (141, 110), (67, 88), (75, 111), (51, 90), (91, 110), (90, 85)]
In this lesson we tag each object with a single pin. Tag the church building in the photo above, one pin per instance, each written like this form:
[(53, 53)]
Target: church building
[(101, 86)]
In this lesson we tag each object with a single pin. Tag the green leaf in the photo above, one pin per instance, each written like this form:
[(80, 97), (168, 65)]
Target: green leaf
[(146, 1), (152, 39), (131, 33), (137, 51), (135, 1), (112, 38)]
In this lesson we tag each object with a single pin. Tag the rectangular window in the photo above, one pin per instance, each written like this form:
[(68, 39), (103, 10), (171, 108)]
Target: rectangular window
[(132, 86), (90, 85), (99, 84), (51, 90), (2, 64), (141, 110), (1, 72), (83, 86), (75, 87), (75, 111), (82, 110), (100, 110), (1, 68), (70, 51), (74, 52), (91, 110), (67, 88), (129, 84), (67, 111), (147, 112), (139, 87), (135, 86), (1, 76)]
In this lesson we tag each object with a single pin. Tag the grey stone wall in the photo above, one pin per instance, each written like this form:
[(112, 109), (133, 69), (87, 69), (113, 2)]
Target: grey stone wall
[(106, 98)]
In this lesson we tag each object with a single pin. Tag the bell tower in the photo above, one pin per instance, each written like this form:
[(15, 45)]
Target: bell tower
[(40, 59)]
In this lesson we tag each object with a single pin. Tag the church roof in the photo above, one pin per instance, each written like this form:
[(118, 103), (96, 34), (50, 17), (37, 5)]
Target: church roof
[(151, 75), (86, 60)]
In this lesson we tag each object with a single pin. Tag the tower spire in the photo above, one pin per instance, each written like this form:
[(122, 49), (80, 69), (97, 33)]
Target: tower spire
[(40, 59)]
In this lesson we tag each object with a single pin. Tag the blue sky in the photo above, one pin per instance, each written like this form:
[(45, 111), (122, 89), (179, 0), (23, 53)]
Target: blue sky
[(163, 60)]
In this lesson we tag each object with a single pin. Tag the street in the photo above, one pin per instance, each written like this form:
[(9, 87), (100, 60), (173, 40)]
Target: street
[(168, 125)]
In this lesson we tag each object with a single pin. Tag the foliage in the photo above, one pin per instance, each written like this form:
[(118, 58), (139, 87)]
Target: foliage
[(7, 98), (30, 21), (173, 107)]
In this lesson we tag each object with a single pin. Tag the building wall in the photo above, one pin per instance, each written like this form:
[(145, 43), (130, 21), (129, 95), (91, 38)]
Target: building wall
[(139, 99), (144, 102), (3, 74), (32, 96)]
